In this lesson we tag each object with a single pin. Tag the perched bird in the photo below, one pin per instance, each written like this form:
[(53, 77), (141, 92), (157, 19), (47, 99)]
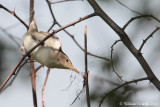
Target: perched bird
[(50, 52)]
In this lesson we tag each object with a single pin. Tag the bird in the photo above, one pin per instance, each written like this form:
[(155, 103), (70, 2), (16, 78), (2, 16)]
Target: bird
[(48, 53)]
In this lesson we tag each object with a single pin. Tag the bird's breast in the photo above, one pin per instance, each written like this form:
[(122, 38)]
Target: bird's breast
[(29, 43), (43, 56)]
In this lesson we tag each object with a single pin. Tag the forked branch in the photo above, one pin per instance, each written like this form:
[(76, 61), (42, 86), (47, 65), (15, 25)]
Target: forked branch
[(144, 41), (115, 89), (43, 89), (14, 14), (138, 17), (127, 42), (112, 63)]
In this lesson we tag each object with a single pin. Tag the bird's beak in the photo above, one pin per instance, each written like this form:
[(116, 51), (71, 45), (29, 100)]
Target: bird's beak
[(74, 69)]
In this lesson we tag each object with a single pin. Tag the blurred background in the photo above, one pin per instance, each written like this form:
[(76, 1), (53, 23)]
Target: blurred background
[(100, 39)]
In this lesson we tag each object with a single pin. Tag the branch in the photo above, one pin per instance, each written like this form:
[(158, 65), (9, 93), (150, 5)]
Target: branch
[(33, 72), (128, 7), (33, 80), (120, 77), (15, 75), (12, 73), (28, 53), (62, 1), (54, 19), (138, 17), (133, 81), (78, 96), (14, 14), (31, 10), (43, 89), (144, 41), (69, 84), (127, 42), (86, 69), (39, 67)]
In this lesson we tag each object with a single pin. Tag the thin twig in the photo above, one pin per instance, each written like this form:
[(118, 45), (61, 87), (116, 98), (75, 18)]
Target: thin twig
[(39, 67), (77, 96), (51, 27), (63, 1), (33, 80), (133, 81), (31, 11), (86, 69), (14, 14), (28, 53), (11, 82), (144, 41), (128, 8), (43, 89), (138, 17), (127, 42), (33, 72), (12, 73), (69, 84), (54, 19), (120, 77)]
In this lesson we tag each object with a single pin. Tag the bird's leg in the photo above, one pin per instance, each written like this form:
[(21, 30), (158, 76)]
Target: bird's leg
[(44, 87), (39, 67)]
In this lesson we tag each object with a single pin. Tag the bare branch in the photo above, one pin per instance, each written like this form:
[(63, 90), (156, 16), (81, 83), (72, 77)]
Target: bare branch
[(33, 80), (39, 67), (86, 69), (15, 75), (129, 82), (144, 41), (33, 72), (12, 73), (127, 42), (43, 89), (120, 77), (70, 84), (77, 96), (62, 1), (138, 17), (54, 19), (128, 7), (14, 14), (31, 10)]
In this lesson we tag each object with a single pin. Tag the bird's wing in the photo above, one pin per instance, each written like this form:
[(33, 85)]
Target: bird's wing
[(53, 36), (53, 42)]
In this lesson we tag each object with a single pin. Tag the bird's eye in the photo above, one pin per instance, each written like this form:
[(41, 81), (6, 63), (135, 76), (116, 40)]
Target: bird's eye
[(66, 60)]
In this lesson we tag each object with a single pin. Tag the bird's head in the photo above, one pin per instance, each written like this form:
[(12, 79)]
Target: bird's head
[(65, 62)]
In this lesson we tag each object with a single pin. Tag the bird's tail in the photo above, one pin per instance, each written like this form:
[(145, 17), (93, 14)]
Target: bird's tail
[(32, 25)]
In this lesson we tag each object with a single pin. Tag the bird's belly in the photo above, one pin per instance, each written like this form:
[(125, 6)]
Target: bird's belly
[(29, 43), (42, 55)]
